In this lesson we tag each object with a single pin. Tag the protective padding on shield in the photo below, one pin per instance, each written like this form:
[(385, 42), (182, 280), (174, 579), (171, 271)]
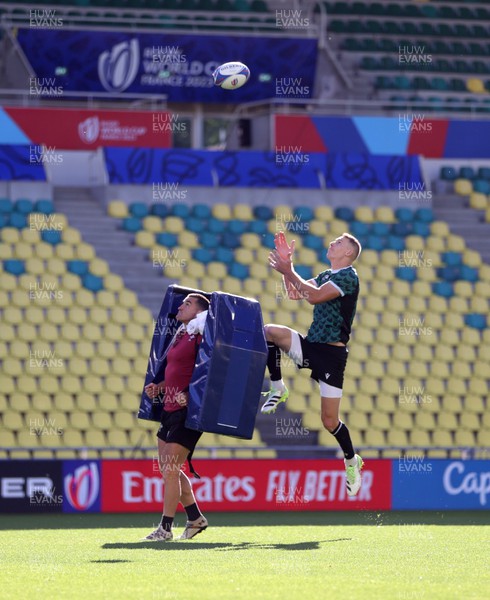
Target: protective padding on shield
[(224, 392), (227, 379), (165, 328)]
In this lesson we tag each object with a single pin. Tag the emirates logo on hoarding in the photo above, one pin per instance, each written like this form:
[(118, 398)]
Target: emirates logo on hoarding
[(89, 129), (82, 486)]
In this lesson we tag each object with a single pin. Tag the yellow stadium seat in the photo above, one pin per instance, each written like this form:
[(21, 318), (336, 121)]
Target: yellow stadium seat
[(478, 201), (364, 213), (188, 239), (10, 235), (63, 402), (463, 187), (324, 213), (144, 239), (113, 282), (318, 227), (455, 243), (25, 332), (464, 437), (117, 209), (23, 250), (152, 224), (250, 241), (403, 421), (13, 314), (414, 242), (221, 211), (397, 438), (6, 251), (420, 438), (218, 270), (475, 85), (85, 251), (94, 439), (101, 420), (242, 212), (384, 214), (12, 421), (436, 244)]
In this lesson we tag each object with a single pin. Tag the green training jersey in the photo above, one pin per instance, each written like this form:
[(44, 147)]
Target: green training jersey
[(332, 320)]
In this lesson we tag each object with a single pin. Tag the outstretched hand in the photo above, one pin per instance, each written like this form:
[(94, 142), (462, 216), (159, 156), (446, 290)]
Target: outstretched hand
[(284, 250)]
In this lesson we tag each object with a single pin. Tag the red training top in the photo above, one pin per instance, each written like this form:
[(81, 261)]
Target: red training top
[(178, 371)]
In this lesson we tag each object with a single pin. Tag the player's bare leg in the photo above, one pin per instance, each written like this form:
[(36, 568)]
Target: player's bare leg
[(330, 414)]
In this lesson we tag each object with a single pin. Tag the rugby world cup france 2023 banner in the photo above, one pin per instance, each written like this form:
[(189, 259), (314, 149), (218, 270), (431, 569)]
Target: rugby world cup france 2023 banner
[(179, 66)]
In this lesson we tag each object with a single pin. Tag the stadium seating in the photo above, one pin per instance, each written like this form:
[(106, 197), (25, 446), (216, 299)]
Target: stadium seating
[(422, 310), (73, 343)]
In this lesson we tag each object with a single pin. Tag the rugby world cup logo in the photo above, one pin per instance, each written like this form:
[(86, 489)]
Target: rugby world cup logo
[(82, 486), (118, 67), (88, 130)]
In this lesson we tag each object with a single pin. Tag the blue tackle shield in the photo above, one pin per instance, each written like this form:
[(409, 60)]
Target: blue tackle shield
[(224, 392)]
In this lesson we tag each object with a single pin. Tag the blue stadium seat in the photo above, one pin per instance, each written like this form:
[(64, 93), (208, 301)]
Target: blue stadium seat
[(426, 215), (78, 267), (139, 210), (344, 213), (231, 240), (452, 259), (264, 213), (395, 242), (238, 270), (315, 242), (44, 206), (51, 236), (160, 210), (403, 229), (181, 210), (268, 240), (258, 227), (237, 226), (6, 205), (406, 273), (469, 273), (224, 255), (448, 174), (93, 282), (375, 242), (209, 240), (421, 228), (475, 320), (304, 271), (201, 211), (195, 225), (166, 239), (358, 228), (131, 224), (405, 215), (304, 213), (18, 220), (449, 273), (216, 225), (24, 206), (443, 288), (482, 186), (379, 228), (203, 255), (467, 173), (4, 220), (14, 266)]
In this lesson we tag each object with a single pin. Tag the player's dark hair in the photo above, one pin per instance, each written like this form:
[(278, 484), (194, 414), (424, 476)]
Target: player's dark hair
[(202, 301), (355, 243)]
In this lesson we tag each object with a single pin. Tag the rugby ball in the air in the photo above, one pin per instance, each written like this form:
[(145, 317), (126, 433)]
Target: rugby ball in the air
[(231, 75)]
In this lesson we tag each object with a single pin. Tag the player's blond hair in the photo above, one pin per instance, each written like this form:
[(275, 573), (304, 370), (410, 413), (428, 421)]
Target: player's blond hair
[(355, 243)]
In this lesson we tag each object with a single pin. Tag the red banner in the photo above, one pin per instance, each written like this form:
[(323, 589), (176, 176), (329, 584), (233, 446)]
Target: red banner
[(249, 485), (77, 129)]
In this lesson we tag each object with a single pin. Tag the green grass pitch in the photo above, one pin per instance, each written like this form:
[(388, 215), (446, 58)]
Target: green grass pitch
[(248, 556)]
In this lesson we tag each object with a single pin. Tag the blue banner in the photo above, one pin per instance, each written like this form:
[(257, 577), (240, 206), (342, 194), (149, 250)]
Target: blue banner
[(179, 66), (23, 163), (285, 167), (227, 169), (432, 484)]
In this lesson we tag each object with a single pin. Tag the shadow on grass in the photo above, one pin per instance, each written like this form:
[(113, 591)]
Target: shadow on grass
[(110, 560), (220, 546)]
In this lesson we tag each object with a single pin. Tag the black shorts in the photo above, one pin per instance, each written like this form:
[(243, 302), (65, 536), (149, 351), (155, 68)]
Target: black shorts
[(173, 429), (327, 362)]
